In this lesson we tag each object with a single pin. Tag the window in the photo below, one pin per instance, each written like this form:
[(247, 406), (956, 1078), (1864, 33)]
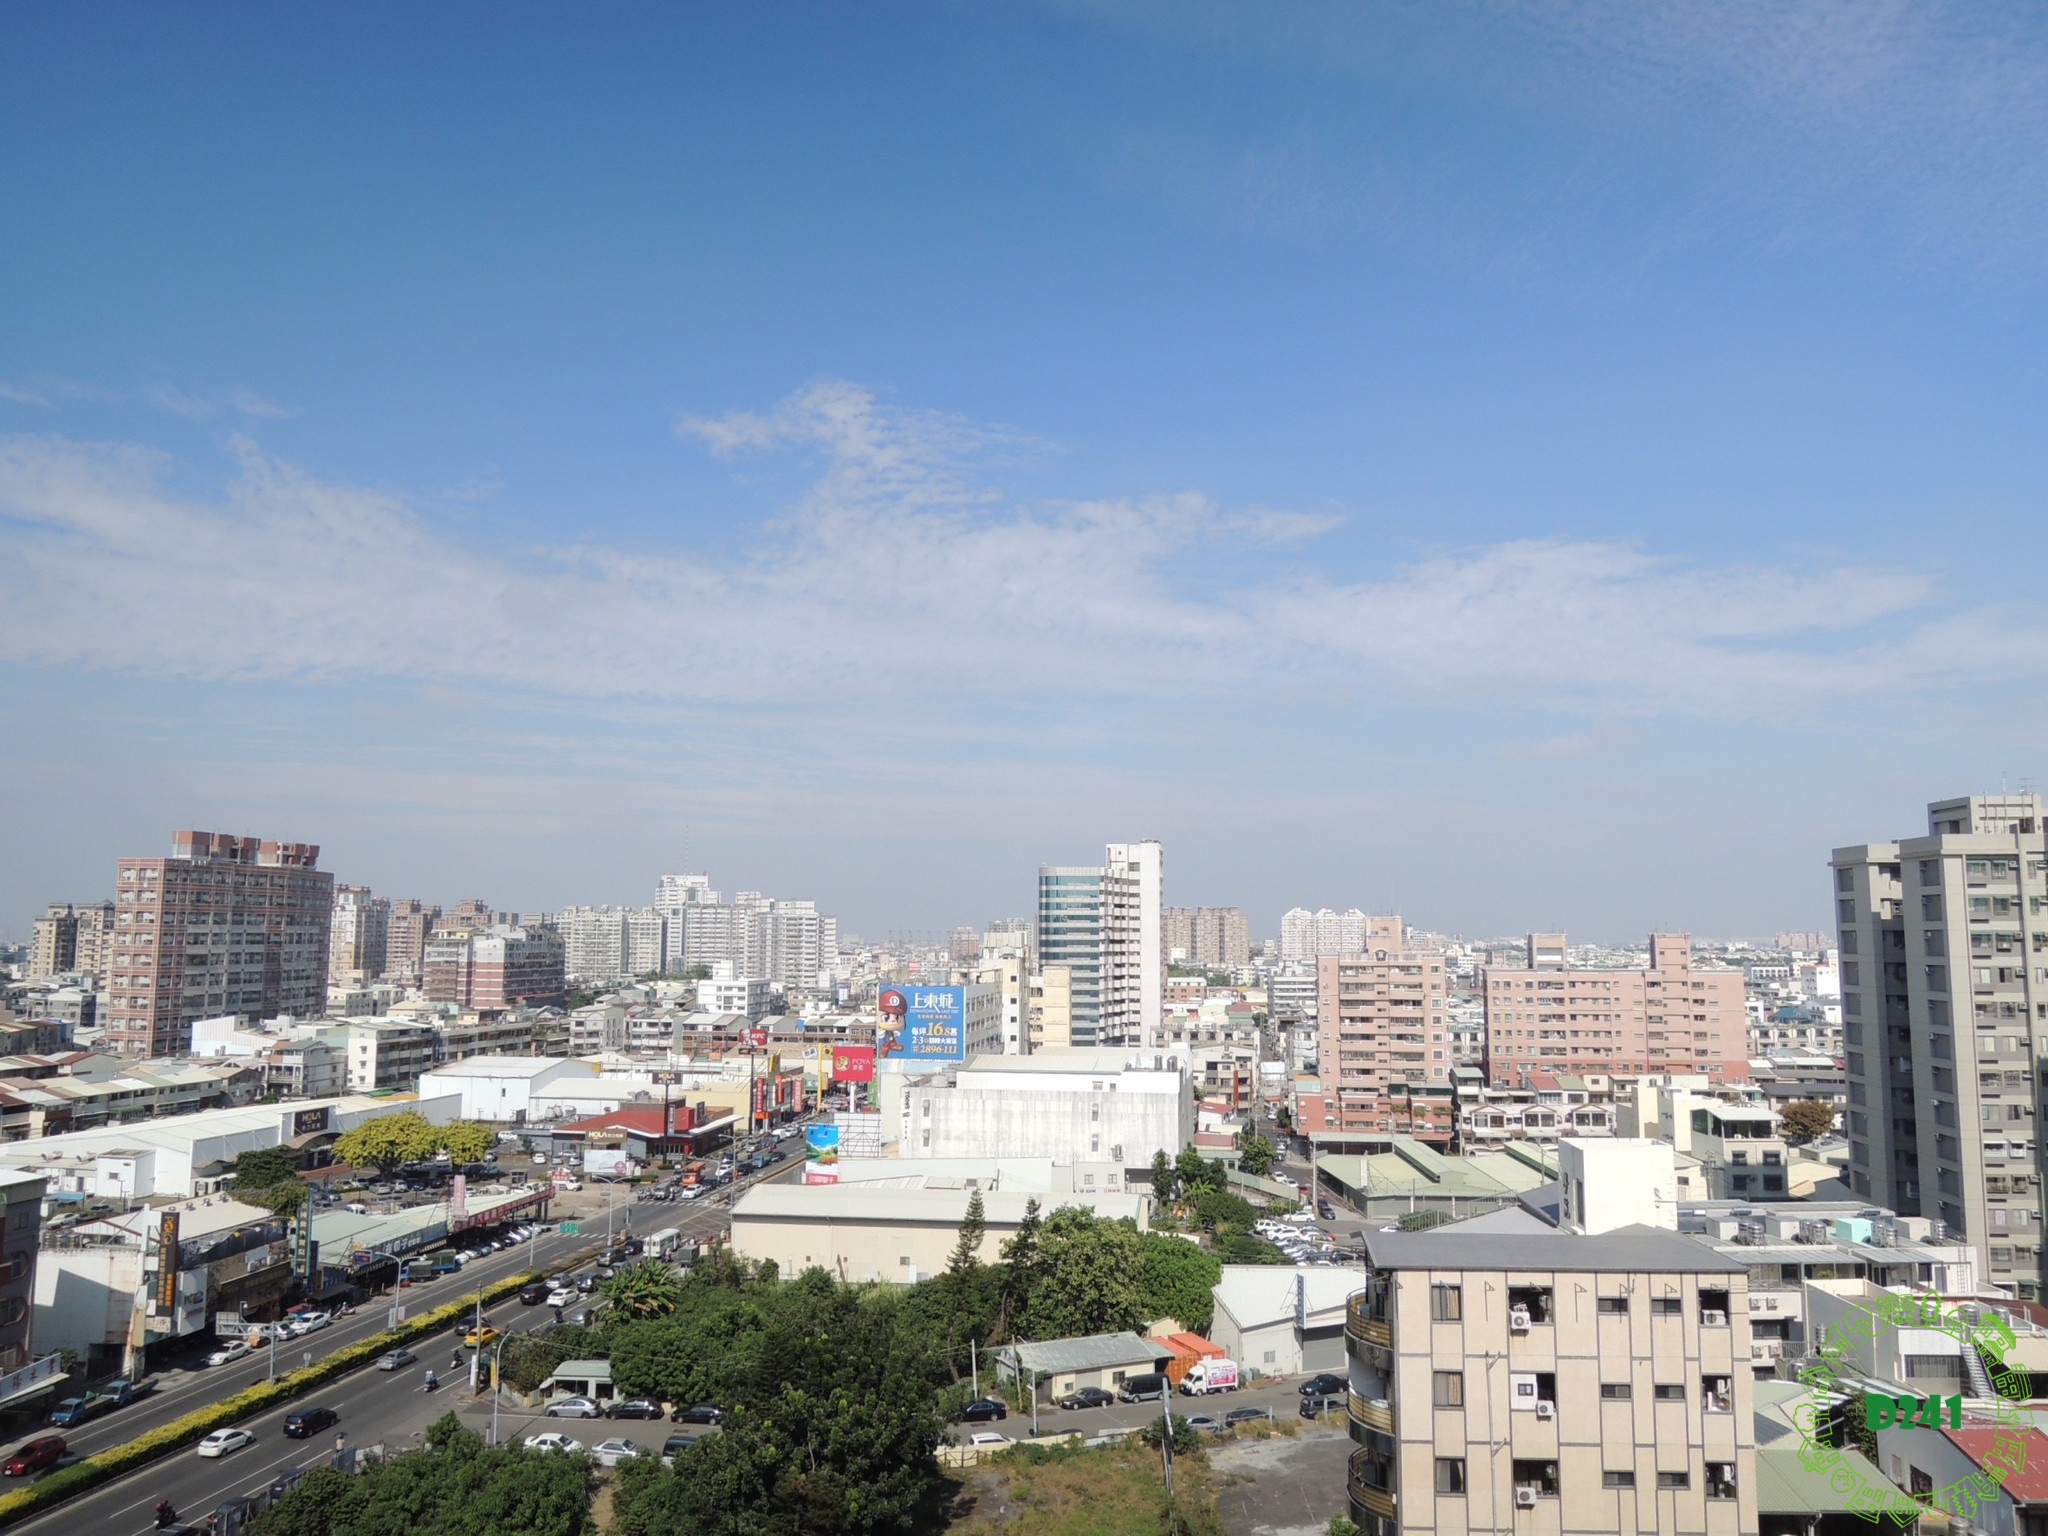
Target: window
[(1532, 1299), (1616, 1391), (1720, 1479), (1666, 1306), (1614, 1304), (1446, 1303), (1450, 1474), (1670, 1392), (1674, 1479), (1617, 1479), (1447, 1389)]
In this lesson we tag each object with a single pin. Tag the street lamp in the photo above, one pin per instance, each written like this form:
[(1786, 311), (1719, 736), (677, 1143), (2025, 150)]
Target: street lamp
[(497, 1382)]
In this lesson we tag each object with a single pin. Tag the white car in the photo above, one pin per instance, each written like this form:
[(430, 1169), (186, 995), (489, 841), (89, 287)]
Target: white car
[(564, 1296), (309, 1322), (222, 1441), (552, 1443), (610, 1453), (988, 1439), (228, 1354)]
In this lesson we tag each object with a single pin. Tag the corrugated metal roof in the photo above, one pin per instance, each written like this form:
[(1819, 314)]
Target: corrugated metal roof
[(1096, 1352), (1633, 1250)]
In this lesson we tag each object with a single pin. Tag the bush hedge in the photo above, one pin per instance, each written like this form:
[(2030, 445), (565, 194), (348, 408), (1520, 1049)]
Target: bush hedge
[(146, 1447)]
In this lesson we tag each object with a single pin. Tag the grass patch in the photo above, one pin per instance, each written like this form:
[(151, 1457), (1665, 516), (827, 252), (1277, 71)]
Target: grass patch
[(1066, 1490)]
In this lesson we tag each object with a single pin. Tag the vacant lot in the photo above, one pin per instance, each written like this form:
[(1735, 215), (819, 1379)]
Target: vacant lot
[(1112, 1491)]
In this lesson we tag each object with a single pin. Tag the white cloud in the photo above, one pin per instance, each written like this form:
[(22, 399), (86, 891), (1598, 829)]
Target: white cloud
[(902, 580)]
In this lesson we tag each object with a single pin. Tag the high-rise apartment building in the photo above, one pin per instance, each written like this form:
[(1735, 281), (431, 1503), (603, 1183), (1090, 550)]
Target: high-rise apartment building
[(1105, 925), (672, 893), (224, 925), (1213, 938), (1383, 1046), (1049, 1016), (790, 943), (1945, 1024), (1668, 1016), (53, 947), (360, 937), (594, 943), (496, 969), (93, 950), (1306, 935), (407, 928), (1509, 1377), (1177, 924)]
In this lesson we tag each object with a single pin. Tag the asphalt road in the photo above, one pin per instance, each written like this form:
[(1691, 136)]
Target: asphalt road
[(376, 1407)]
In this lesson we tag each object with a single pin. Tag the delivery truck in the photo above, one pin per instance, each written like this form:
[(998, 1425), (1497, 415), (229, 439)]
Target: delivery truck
[(1206, 1376)]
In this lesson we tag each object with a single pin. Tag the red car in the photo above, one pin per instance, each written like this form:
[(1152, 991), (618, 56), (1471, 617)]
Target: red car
[(35, 1456)]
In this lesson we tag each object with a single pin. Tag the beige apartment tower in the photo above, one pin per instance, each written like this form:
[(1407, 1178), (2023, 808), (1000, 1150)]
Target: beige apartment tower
[(1667, 1017), (1383, 1044), (1944, 940), (1508, 1376)]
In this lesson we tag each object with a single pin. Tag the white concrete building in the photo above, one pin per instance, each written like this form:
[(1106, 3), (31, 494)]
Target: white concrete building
[(1283, 1320), (502, 1089), (1306, 935), (1075, 1105), (725, 991)]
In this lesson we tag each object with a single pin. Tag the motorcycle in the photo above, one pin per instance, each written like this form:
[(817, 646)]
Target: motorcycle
[(166, 1516), (345, 1310), (433, 1383)]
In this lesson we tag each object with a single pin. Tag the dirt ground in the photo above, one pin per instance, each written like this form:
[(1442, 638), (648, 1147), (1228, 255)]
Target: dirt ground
[(1282, 1486)]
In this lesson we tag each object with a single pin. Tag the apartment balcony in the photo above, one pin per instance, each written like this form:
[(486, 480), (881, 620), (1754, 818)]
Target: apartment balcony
[(1372, 1413), (1369, 1488), (1361, 1325)]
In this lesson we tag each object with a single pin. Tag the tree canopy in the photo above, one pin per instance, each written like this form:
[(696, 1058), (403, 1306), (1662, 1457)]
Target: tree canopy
[(1806, 1120), (467, 1141), (1087, 1280), (388, 1142), (1176, 1279), (1255, 1155)]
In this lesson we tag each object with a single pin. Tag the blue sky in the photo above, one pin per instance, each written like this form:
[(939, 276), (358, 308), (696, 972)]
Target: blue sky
[(1564, 466)]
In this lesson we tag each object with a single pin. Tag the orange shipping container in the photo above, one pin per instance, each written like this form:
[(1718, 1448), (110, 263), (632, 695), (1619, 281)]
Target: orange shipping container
[(1178, 1361)]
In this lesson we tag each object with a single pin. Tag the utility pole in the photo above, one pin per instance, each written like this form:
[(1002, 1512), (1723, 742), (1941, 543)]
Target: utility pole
[(974, 1365)]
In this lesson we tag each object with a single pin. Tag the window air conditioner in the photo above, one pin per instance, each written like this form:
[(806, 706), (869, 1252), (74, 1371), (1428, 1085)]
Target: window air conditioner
[(1525, 1498), (1546, 1410), (1714, 1319)]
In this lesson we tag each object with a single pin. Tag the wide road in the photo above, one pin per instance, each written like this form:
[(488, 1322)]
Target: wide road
[(376, 1407)]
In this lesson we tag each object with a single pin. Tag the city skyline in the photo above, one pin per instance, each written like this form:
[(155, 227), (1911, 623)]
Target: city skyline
[(496, 450)]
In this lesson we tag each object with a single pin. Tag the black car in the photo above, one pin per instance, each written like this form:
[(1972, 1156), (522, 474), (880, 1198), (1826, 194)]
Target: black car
[(533, 1296), (698, 1413), (1087, 1397), (1323, 1385), (634, 1408), (1314, 1407), (1326, 1210), (308, 1422), (983, 1410), (675, 1443), (586, 1283), (632, 1247)]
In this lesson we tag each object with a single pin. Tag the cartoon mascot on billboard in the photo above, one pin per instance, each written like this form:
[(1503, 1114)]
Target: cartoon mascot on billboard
[(895, 1009)]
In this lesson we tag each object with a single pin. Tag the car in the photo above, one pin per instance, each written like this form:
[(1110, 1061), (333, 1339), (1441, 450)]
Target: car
[(224, 1441), (1087, 1397), (228, 1354), (983, 1410), (482, 1337), (308, 1422), (573, 1408), (988, 1439), (1238, 1416), (553, 1442), (698, 1413), (310, 1322), (1326, 1210), (1323, 1385), (1201, 1423), (395, 1359), (634, 1408), (610, 1453), (675, 1443), (1314, 1407), (533, 1295), (44, 1451), (563, 1295), (587, 1283)]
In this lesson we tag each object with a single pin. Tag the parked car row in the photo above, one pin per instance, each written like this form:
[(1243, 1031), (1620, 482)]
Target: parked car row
[(630, 1408)]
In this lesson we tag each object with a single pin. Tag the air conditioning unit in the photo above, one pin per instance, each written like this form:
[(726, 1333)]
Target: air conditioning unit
[(1518, 1320), (1546, 1410), (1525, 1498), (1770, 1303), (1714, 1319)]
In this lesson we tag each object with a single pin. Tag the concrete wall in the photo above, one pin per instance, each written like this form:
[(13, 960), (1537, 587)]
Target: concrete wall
[(83, 1299), (901, 1252)]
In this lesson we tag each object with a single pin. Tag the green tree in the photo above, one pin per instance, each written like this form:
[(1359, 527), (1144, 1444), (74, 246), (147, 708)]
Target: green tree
[(650, 1289), (1162, 1177), (973, 1228), (1246, 1248), (1805, 1120), (387, 1143), (1284, 1118), (1020, 1271), (1087, 1276), (466, 1141), (1255, 1155), (1176, 1279), (1197, 1172), (1185, 1438), (269, 1176), (530, 1358), (1217, 1210)]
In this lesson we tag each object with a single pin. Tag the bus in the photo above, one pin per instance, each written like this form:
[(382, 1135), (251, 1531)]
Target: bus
[(664, 1244)]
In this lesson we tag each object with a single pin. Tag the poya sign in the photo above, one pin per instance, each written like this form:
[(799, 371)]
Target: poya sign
[(1980, 1329)]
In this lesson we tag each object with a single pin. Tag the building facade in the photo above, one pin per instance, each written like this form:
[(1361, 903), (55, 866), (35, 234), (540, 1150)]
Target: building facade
[(497, 969), (1669, 1016), (1106, 925), (1306, 935), (224, 925), (359, 938), (407, 928), (1383, 1045), (1944, 1020)]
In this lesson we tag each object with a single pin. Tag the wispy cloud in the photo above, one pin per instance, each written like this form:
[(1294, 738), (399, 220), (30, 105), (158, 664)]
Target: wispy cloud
[(240, 401), (903, 574)]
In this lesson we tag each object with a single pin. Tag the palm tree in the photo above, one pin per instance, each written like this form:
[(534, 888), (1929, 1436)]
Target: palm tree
[(649, 1289)]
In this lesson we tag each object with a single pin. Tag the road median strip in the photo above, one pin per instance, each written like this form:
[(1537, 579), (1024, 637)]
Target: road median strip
[(106, 1465)]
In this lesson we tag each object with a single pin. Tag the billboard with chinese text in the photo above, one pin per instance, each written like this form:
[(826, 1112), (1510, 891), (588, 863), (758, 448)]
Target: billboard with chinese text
[(920, 1026)]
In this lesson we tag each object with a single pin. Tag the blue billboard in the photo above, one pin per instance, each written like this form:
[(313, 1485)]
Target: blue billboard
[(920, 1027)]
